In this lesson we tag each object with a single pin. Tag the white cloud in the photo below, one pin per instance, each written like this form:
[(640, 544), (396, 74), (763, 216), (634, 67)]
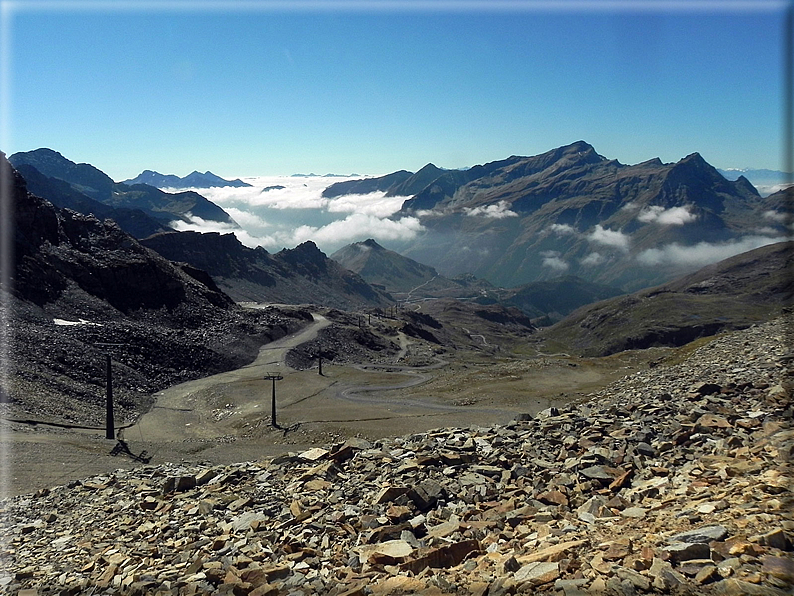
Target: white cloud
[(675, 216), (498, 211), (357, 227), (562, 229), (607, 237), (778, 216), (593, 259), (551, 259), (702, 253), (283, 211), (197, 224), (296, 192), (375, 203), (247, 219), (354, 228)]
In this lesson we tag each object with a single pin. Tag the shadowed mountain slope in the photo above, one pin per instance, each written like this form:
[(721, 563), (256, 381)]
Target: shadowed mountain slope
[(733, 294), (407, 280), (366, 185), (62, 194), (558, 297), (384, 267), (83, 289)]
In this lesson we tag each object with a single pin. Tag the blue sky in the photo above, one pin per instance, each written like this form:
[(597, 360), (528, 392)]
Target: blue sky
[(261, 88)]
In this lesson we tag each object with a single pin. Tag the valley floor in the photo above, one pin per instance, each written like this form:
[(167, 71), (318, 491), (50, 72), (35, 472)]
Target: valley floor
[(226, 418)]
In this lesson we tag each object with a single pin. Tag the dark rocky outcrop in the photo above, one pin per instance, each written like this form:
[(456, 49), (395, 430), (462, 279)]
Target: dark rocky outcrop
[(67, 248), (63, 194), (295, 276)]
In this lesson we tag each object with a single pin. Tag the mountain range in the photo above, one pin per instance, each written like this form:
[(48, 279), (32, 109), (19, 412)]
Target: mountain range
[(765, 180), (572, 211), (88, 182), (193, 180), (62, 254), (546, 233), (83, 288), (300, 275), (173, 295)]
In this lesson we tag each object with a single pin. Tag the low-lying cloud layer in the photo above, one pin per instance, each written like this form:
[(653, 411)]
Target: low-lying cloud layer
[(281, 212), (702, 253), (673, 254)]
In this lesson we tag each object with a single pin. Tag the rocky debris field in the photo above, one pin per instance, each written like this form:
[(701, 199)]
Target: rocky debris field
[(673, 480)]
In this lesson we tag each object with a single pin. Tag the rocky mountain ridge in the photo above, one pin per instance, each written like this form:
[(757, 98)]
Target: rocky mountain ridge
[(92, 182), (765, 180), (384, 267), (573, 211), (62, 194), (673, 480), (300, 275)]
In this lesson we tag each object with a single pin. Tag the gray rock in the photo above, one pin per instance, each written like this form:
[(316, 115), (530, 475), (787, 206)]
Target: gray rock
[(684, 551), (703, 535)]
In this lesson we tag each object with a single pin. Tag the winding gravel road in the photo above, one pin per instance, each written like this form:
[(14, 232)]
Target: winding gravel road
[(174, 416)]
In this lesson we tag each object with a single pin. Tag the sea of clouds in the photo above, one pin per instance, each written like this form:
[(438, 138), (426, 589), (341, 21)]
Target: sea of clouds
[(283, 211)]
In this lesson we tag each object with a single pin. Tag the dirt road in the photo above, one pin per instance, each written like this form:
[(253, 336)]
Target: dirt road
[(188, 411)]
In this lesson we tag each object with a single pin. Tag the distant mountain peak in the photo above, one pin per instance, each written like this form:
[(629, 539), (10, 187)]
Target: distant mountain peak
[(430, 167), (46, 151), (581, 146), (370, 243), (306, 250), (694, 163), (193, 180), (694, 157)]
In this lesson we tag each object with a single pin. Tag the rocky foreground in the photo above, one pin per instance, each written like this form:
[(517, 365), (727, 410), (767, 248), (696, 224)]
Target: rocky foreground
[(674, 480)]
